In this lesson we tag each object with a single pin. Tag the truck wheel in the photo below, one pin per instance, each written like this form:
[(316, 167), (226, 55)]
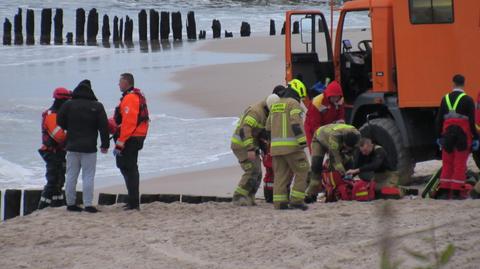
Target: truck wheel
[(385, 133)]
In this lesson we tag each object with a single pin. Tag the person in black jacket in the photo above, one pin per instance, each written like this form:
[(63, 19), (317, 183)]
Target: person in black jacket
[(457, 136), (371, 162), (83, 118)]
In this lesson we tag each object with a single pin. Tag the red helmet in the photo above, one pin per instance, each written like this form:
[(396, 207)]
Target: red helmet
[(62, 93)]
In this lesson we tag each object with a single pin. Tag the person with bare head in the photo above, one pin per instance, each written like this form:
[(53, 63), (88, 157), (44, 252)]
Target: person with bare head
[(371, 163), (132, 118)]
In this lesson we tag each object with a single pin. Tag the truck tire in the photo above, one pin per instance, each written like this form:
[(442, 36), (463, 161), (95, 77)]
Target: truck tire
[(385, 133)]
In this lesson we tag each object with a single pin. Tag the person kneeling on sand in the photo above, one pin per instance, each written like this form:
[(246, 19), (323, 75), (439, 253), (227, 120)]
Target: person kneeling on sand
[(83, 118), (371, 163), (245, 144)]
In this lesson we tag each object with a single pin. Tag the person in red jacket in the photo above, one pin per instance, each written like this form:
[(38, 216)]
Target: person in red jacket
[(132, 119), (53, 151), (324, 109)]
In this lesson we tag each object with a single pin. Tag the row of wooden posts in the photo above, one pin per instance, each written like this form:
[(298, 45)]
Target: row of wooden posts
[(122, 30), (13, 199)]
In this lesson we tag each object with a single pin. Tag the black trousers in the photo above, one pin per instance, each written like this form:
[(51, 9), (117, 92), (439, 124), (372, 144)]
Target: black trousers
[(55, 164), (127, 163)]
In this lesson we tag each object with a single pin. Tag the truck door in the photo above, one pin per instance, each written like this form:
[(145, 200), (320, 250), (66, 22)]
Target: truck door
[(308, 48)]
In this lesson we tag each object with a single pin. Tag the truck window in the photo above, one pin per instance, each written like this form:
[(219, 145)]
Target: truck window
[(320, 36), (431, 11)]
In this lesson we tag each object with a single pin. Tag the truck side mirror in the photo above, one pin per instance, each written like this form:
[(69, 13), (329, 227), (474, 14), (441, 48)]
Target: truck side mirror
[(306, 30)]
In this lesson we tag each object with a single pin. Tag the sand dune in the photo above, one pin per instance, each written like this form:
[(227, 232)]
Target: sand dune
[(219, 235)]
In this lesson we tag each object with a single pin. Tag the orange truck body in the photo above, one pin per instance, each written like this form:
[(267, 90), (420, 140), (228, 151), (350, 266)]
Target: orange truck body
[(425, 56), (399, 80)]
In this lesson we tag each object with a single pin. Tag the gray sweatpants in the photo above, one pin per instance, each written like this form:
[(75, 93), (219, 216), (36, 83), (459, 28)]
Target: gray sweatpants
[(87, 162)]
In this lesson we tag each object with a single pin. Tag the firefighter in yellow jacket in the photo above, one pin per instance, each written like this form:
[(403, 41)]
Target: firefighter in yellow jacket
[(288, 141), (246, 147), (336, 140)]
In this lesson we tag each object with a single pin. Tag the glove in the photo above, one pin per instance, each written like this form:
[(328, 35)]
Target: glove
[(475, 145)]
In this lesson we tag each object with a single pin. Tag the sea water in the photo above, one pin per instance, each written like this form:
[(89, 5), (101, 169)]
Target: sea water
[(28, 75)]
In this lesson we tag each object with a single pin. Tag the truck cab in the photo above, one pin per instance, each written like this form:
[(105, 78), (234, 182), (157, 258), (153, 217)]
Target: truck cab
[(395, 61)]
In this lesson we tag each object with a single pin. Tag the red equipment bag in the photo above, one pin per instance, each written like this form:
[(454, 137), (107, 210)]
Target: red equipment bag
[(336, 188), (363, 190)]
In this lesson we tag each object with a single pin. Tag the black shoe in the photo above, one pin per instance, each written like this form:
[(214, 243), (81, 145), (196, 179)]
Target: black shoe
[(91, 209), (74, 208), (283, 206), (302, 207), (42, 205), (310, 199), (127, 208)]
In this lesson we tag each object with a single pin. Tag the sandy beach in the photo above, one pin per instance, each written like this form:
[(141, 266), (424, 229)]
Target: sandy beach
[(219, 235)]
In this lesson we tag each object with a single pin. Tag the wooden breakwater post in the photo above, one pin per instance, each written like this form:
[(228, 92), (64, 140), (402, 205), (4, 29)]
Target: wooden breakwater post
[(58, 22), (12, 204), (272, 27), (216, 28), (92, 27), (142, 25), (116, 35), (128, 31), (31, 198), (69, 38), (228, 34), (7, 32), (191, 26), (154, 25), (120, 29), (164, 25), (80, 27), (283, 28), (202, 34), (245, 29), (17, 28), (107, 199), (177, 26), (30, 27), (46, 26), (106, 30), (296, 28)]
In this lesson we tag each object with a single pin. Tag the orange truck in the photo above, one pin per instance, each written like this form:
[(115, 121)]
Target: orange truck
[(394, 70)]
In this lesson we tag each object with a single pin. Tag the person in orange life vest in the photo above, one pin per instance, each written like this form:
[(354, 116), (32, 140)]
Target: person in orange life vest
[(458, 136), (325, 108), (53, 152), (132, 119)]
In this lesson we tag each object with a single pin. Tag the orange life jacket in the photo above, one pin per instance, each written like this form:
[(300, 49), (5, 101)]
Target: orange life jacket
[(53, 136), (131, 116)]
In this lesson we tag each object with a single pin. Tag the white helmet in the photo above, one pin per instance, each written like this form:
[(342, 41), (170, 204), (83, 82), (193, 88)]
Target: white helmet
[(272, 99)]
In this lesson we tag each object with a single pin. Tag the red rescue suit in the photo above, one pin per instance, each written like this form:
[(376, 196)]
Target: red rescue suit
[(456, 128), (321, 111)]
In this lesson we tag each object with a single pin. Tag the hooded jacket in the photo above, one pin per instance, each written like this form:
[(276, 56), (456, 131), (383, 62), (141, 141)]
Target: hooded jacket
[(83, 118), (321, 111)]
